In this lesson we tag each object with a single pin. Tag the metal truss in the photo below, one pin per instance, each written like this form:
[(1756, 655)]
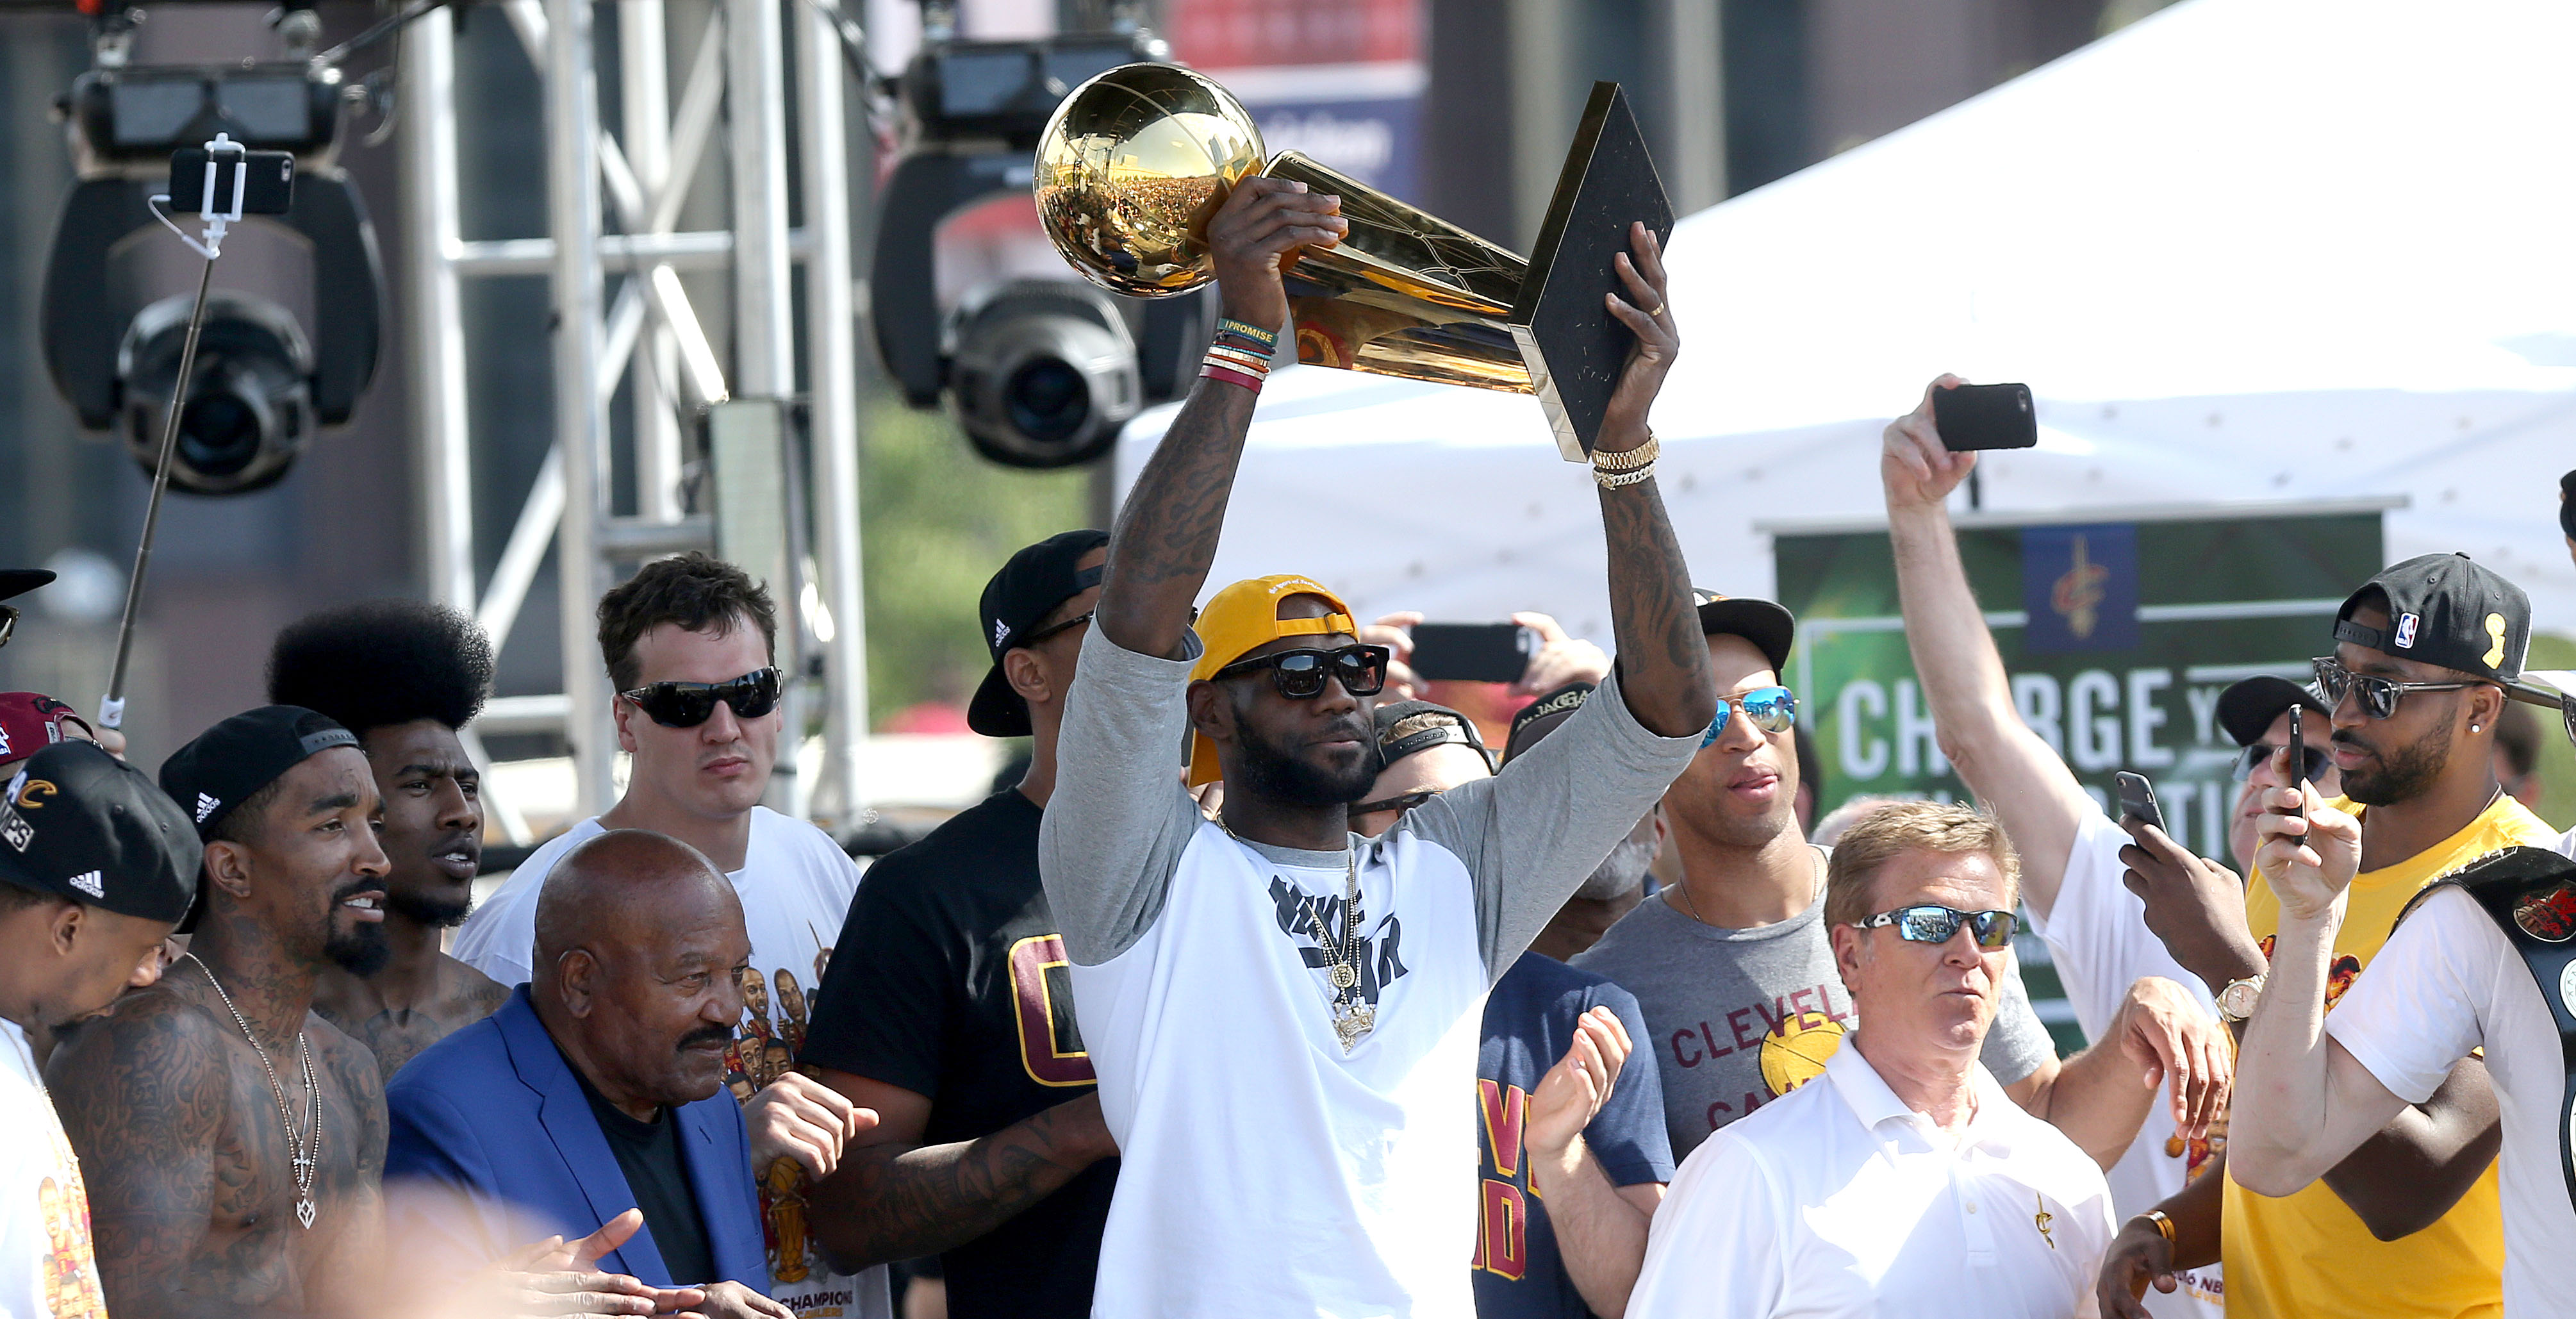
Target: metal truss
[(644, 173)]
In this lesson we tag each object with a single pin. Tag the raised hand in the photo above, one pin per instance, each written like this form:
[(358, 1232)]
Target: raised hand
[(2196, 906), (1257, 234), (2309, 851), (1559, 659), (1573, 1091), (1916, 467), (1649, 315), (801, 1118), (2167, 1035)]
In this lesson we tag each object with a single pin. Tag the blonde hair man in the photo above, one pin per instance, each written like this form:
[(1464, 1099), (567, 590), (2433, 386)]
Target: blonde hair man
[(1903, 1180)]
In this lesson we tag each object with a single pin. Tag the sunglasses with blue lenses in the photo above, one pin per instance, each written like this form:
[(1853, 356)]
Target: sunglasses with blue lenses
[(1931, 924), (1772, 709)]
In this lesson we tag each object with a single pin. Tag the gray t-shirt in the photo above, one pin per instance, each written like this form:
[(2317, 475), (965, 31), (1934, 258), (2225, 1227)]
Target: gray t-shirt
[(1738, 1018)]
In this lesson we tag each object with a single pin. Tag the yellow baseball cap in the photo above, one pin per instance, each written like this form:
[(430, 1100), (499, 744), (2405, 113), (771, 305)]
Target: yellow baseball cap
[(1243, 617)]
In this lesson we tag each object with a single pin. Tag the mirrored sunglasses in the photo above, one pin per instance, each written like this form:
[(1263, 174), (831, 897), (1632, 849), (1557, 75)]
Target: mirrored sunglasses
[(1772, 709), (1930, 924), (1300, 674), (2379, 696)]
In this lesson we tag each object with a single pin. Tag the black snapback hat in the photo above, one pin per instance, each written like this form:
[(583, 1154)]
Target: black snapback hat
[(1019, 597), (1540, 717), (1771, 628), (238, 757), (2249, 705), (19, 581), (1407, 727), (81, 824), (2444, 609), (2567, 505)]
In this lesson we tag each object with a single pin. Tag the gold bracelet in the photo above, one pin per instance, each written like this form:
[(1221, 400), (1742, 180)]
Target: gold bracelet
[(2163, 1224), (1628, 460), (1614, 480)]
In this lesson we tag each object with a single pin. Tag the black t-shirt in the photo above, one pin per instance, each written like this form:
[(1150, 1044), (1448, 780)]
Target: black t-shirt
[(948, 980), (649, 1154)]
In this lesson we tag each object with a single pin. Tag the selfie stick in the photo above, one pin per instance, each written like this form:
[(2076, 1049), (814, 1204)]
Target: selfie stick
[(111, 707)]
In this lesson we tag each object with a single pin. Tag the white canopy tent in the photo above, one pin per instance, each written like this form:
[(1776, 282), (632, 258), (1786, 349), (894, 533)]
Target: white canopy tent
[(2243, 251)]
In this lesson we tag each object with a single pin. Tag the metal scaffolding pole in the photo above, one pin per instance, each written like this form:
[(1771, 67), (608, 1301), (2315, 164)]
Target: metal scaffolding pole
[(437, 334), (831, 354), (573, 216), (644, 129)]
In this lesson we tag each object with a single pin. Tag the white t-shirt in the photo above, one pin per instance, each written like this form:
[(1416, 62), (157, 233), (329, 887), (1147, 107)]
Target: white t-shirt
[(47, 1270), (2567, 844), (2448, 982), (1837, 1199), (795, 885), (2097, 935)]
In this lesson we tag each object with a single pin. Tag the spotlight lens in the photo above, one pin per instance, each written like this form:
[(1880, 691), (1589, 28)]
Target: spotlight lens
[(218, 434), (1048, 400)]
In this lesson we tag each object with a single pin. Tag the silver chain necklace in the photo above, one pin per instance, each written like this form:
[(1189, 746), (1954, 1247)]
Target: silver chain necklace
[(305, 1153)]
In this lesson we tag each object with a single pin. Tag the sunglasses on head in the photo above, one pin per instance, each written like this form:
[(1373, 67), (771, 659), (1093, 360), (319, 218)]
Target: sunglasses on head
[(689, 704), (2379, 696), (1299, 674), (2312, 761), (1931, 924), (1772, 709)]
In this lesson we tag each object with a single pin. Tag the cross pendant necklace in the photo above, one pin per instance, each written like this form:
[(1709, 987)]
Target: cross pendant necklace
[(303, 1155)]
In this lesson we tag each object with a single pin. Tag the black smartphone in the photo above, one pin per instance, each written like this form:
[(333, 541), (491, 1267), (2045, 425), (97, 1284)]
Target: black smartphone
[(2298, 750), (1471, 652), (2138, 798), (1985, 417), (265, 179)]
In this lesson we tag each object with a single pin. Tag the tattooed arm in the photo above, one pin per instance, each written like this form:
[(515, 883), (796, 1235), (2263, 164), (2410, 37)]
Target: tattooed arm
[(1166, 533), (143, 1094), (1663, 659), (896, 1198)]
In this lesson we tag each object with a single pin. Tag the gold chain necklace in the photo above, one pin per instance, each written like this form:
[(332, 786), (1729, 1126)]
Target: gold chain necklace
[(1352, 1018)]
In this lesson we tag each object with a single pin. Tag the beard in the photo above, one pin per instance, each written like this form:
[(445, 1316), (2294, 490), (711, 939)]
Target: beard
[(2400, 775), (361, 949), (1620, 873), (436, 911), (1272, 773)]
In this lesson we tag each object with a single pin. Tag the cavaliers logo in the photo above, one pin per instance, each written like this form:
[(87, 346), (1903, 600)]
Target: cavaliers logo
[(1796, 1050), (2078, 595), (31, 796)]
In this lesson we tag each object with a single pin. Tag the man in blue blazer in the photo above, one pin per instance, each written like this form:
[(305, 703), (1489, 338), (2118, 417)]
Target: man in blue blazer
[(598, 1087)]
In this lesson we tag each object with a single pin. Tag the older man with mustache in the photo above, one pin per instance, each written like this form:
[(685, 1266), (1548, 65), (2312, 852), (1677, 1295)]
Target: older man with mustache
[(598, 1087)]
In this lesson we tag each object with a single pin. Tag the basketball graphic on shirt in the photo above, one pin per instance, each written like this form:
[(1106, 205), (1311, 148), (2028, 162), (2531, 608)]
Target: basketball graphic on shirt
[(1796, 1050)]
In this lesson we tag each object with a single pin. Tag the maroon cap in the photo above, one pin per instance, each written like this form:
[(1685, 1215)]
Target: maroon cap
[(32, 721)]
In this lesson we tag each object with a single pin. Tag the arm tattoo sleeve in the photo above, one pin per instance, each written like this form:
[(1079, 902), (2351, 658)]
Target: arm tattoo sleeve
[(887, 1202)]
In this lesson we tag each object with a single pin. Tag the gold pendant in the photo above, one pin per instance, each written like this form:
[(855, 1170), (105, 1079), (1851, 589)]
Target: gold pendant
[(1352, 1022), (1344, 976)]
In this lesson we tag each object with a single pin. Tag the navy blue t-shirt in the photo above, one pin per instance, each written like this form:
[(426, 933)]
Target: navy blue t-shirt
[(1529, 1024)]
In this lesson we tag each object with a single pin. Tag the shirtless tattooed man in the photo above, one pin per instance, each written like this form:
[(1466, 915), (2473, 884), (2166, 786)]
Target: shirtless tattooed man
[(233, 1140)]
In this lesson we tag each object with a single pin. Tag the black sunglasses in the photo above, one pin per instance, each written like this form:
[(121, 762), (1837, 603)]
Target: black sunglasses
[(1400, 802), (2379, 696), (1930, 924), (689, 704), (2312, 761), (1299, 674), (1043, 633)]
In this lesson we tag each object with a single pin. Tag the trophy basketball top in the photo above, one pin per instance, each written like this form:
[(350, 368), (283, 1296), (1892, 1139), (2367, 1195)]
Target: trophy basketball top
[(1131, 167)]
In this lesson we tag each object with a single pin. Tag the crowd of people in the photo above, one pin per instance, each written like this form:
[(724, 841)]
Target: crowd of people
[(1346, 1013)]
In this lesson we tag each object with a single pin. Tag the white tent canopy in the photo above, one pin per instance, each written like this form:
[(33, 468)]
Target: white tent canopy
[(2243, 251)]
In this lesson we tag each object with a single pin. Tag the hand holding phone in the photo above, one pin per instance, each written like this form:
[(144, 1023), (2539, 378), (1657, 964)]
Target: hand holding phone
[(1471, 652)]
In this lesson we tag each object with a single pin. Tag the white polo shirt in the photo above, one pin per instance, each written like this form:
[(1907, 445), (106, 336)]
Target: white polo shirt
[(1837, 1199)]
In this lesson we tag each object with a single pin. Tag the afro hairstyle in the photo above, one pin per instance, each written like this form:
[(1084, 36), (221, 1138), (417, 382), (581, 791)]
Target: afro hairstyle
[(383, 662)]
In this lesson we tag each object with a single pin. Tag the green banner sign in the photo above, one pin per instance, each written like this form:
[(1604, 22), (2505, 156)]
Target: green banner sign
[(2119, 633)]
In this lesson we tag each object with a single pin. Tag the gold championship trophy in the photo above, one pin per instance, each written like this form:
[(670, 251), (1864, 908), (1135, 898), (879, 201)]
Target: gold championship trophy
[(1136, 160)]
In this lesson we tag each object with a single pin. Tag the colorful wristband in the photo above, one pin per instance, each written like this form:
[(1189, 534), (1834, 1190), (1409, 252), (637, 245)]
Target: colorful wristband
[(1228, 375), (1265, 338), (1239, 359)]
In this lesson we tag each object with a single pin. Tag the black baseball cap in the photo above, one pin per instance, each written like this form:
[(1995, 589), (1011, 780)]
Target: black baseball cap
[(2567, 505), (1407, 727), (1540, 717), (81, 824), (19, 581), (2445, 609), (1771, 628), (238, 757), (1022, 594), (2249, 705)]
